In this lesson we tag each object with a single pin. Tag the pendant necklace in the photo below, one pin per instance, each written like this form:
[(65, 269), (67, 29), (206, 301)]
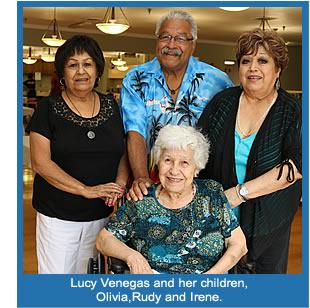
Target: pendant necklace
[(90, 134), (173, 91), (257, 122)]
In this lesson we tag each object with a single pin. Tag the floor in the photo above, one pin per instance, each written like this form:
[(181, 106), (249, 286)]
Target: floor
[(30, 262)]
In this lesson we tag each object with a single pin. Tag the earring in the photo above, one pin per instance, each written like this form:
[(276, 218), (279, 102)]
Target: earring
[(241, 87), (97, 80), (62, 81), (278, 84)]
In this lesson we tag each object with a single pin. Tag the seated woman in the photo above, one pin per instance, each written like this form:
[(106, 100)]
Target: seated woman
[(182, 226)]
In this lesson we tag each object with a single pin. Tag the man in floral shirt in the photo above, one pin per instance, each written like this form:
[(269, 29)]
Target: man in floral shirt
[(172, 88)]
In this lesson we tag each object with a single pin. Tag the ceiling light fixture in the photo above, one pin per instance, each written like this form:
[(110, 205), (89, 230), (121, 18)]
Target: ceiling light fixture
[(234, 9), (114, 21), (122, 68), (52, 37), (264, 21), (48, 57), (229, 62), (119, 61), (30, 59)]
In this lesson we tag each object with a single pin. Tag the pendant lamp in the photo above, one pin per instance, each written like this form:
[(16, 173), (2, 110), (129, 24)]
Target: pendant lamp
[(52, 36), (122, 68), (48, 57), (114, 21), (29, 59), (264, 21), (234, 9), (119, 61)]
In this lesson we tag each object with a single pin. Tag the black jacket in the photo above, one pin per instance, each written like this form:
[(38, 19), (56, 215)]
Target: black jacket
[(278, 139)]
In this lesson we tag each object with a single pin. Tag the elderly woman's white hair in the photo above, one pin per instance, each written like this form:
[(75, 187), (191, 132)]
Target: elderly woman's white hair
[(181, 137), (180, 15)]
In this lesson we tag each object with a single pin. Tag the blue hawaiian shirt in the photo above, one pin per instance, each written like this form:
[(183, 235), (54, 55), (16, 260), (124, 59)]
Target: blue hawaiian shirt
[(146, 103), (187, 240)]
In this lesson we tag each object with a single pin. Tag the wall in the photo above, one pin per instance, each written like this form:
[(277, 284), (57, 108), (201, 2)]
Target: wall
[(210, 53), (292, 76)]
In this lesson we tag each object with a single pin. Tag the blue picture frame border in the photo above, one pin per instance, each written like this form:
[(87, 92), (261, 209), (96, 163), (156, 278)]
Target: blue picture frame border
[(262, 291)]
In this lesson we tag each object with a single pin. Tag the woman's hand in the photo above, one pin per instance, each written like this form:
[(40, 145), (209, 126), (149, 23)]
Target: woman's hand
[(138, 264), (232, 197), (109, 190), (112, 201), (109, 245), (139, 188)]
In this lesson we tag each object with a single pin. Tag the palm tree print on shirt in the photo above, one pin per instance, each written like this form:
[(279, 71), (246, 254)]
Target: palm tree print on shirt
[(140, 83), (183, 107), (157, 125)]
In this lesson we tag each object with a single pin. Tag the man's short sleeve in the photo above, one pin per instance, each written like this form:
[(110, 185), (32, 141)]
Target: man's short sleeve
[(133, 108)]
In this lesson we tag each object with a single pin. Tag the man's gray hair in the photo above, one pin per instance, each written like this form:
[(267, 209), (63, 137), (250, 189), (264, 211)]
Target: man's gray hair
[(180, 15), (182, 137)]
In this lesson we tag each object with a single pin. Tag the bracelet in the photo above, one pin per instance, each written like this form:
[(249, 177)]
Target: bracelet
[(237, 188)]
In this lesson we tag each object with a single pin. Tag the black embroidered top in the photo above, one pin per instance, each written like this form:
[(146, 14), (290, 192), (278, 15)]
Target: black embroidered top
[(278, 139), (91, 161)]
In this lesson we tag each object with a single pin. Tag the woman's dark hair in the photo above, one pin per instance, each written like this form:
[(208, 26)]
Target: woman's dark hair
[(77, 45), (249, 42)]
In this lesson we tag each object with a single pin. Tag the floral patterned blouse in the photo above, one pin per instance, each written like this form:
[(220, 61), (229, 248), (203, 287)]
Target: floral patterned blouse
[(177, 241)]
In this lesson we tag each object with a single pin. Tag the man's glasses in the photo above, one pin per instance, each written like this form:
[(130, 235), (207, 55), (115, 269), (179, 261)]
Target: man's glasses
[(180, 39)]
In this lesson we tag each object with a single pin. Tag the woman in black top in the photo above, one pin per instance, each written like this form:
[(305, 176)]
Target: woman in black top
[(255, 134), (78, 155)]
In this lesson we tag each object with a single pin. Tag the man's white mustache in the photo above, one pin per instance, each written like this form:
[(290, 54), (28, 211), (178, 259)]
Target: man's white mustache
[(171, 51)]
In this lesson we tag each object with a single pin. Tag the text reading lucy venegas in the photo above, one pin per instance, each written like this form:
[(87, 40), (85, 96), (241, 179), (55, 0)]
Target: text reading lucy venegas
[(157, 291)]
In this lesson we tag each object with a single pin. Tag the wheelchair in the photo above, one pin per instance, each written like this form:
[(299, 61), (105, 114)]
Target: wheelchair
[(106, 265)]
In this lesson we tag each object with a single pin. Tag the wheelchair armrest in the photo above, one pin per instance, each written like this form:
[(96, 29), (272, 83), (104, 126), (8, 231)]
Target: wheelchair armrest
[(96, 265), (117, 266)]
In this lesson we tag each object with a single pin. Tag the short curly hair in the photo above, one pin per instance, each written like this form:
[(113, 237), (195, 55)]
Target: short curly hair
[(249, 42), (182, 137)]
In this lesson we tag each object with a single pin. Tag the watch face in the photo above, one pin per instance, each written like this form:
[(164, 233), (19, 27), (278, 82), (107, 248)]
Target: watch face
[(243, 191)]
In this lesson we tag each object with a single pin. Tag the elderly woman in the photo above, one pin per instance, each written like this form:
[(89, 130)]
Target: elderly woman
[(183, 225), (255, 135), (78, 155)]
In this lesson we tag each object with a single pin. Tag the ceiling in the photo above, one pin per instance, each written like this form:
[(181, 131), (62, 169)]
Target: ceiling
[(214, 24)]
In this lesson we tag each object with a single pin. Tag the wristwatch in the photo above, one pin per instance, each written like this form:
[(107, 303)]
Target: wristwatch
[(243, 192)]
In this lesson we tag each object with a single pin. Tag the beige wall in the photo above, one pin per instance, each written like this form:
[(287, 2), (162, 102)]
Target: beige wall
[(210, 53)]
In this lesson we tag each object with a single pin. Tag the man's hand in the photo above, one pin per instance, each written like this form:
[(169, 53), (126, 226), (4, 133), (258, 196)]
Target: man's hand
[(139, 189)]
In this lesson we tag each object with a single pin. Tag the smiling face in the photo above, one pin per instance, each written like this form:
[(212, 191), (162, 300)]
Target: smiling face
[(80, 73), (177, 169), (171, 61), (258, 73)]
